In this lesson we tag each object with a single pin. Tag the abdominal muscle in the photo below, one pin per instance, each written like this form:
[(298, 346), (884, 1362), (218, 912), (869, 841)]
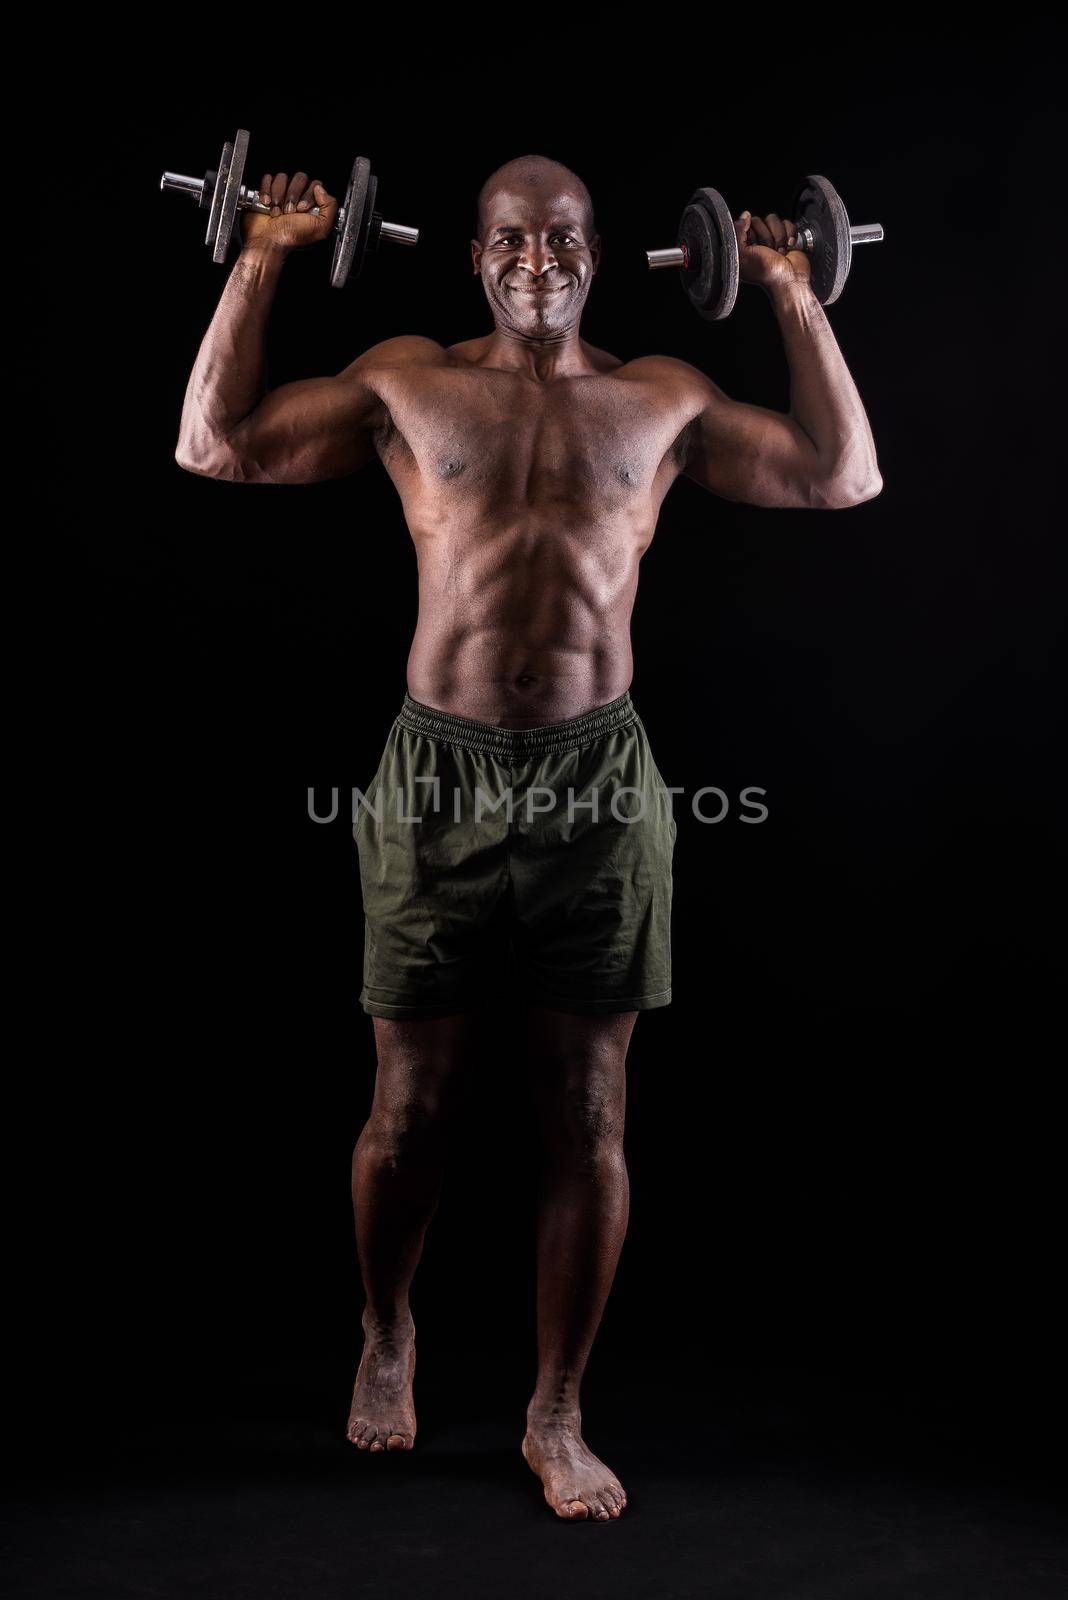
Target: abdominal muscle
[(527, 625)]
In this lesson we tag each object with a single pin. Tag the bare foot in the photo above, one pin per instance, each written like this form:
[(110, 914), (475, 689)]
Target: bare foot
[(576, 1484), (382, 1415)]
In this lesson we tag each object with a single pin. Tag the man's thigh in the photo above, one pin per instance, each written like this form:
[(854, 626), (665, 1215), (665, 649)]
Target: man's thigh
[(434, 888), (592, 879), (578, 1068), (422, 1062)]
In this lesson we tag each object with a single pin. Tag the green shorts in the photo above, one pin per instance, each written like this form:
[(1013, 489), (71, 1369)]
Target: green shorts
[(541, 856)]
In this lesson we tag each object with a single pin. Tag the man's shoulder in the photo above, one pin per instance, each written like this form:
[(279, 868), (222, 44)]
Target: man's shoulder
[(645, 369), (415, 350), (662, 369), (405, 350)]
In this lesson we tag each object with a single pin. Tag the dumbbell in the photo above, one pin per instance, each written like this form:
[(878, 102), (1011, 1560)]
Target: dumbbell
[(707, 248), (222, 194)]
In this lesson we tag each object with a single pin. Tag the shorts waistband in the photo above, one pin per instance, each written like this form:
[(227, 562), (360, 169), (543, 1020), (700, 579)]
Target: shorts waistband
[(518, 744)]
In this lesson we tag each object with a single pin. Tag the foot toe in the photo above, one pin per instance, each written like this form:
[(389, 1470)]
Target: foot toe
[(398, 1441), (574, 1510)]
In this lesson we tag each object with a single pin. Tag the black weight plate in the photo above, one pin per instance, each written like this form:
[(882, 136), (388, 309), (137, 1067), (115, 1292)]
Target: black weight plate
[(818, 206), (217, 195), (711, 276), (697, 238), (364, 242), (231, 194), (351, 241)]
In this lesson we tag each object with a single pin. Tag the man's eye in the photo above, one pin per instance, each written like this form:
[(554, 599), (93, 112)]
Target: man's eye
[(565, 238)]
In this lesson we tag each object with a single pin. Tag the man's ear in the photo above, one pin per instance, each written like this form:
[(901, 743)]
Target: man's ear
[(596, 251), (476, 255)]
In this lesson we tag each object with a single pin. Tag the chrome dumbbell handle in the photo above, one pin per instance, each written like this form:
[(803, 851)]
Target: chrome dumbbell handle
[(249, 200), (392, 232), (859, 233), (677, 256), (193, 187), (397, 233)]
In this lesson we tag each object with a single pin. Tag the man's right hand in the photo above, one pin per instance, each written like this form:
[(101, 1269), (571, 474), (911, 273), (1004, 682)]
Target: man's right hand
[(768, 252), (291, 225)]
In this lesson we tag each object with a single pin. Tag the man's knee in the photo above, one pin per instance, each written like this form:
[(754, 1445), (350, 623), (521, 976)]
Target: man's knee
[(417, 1073), (583, 1123), (400, 1130)]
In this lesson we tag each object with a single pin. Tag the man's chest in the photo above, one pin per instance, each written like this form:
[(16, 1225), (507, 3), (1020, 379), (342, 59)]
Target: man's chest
[(486, 431)]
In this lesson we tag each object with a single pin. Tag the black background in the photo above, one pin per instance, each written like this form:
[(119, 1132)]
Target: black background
[(841, 1137)]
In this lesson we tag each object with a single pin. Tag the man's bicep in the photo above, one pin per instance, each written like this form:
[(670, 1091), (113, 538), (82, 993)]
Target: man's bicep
[(748, 453), (310, 430), (323, 428)]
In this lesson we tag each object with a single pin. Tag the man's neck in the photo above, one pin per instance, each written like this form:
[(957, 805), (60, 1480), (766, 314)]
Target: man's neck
[(560, 355)]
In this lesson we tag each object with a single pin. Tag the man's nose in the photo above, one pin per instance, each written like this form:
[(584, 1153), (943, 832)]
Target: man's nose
[(537, 259)]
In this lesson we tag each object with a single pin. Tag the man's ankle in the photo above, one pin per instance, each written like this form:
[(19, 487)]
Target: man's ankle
[(553, 1410), (391, 1329)]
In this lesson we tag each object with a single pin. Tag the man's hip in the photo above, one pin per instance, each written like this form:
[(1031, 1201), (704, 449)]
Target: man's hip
[(545, 852)]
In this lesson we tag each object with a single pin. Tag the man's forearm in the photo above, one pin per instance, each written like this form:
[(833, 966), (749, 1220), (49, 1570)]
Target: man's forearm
[(823, 397), (228, 378)]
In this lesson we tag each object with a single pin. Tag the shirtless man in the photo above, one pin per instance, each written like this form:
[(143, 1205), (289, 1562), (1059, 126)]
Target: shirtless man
[(531, 468)]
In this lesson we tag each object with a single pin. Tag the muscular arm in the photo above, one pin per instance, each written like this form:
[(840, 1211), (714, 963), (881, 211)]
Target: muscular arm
[(821, 454), (234, 428)]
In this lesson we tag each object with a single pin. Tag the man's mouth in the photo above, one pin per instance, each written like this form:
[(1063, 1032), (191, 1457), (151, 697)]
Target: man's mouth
[(556, 288)]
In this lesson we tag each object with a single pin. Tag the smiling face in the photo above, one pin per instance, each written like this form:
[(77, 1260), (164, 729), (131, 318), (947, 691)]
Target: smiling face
[(538, 251)]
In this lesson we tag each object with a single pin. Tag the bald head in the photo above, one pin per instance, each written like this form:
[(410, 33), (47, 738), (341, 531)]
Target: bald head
[(538, 174)]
